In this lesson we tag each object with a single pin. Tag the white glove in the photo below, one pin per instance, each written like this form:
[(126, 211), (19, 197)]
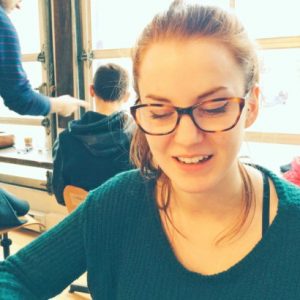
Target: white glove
[(66, 105)]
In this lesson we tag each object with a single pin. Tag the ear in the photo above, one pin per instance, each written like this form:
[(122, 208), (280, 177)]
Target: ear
[(252, 106), (92, 90)]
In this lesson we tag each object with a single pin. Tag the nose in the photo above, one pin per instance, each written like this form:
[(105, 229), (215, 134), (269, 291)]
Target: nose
[(187, 133)]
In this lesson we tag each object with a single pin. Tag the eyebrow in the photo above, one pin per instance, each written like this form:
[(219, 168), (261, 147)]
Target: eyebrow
[(199, 97)]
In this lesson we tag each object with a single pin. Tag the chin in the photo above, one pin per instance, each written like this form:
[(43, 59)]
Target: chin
[(192, 186)]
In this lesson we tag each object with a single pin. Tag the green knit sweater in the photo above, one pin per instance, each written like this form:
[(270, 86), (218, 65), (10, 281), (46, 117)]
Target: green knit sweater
[(116, 235)]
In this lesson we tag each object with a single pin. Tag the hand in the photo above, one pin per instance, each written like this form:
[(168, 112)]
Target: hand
[(66, 105)]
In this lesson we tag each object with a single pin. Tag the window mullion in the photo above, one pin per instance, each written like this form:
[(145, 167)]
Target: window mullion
[(279, 42)]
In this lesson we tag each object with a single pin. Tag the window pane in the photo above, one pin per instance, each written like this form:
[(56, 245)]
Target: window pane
[(269, 18), (34, 73), (117, 24), (126, 63), (271, 156), (26, 21), (280, 91)]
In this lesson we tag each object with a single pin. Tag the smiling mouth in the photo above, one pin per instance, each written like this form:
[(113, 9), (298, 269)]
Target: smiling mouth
[(193, 160)]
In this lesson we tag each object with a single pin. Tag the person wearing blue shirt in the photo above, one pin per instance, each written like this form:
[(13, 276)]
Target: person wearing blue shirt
[(15, 88)]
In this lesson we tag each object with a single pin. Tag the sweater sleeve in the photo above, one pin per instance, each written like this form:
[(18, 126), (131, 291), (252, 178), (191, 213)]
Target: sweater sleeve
[(15, 88), (49, 264)]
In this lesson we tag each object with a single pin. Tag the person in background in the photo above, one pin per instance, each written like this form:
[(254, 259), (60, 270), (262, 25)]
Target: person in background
[(15, 88), (293, 173), (96, 147), (193, 222)]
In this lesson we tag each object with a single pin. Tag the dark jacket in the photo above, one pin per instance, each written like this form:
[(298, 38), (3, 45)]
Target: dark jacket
[(90, 151)]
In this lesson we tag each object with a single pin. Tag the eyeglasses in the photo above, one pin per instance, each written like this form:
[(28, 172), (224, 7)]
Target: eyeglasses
[(214, 115)]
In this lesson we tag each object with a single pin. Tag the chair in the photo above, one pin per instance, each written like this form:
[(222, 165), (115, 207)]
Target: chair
[(73, 196), (5, 241)]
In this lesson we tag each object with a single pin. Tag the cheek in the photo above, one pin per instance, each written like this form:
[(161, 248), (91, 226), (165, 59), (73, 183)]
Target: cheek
[(234, 142), (158, 145), (235, 136), (229, 141)]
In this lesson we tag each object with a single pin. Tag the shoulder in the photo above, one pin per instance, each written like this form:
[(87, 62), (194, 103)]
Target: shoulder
[(6, 24), (120, 201), (64, 136), (287, 192), (128, 188), (63, 141), (125, 182), (283, 187), (8, 37), (3, 16), (58, 142)]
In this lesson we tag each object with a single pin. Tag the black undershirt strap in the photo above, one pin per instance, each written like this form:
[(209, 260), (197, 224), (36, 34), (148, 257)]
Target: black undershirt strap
[(265, 204)]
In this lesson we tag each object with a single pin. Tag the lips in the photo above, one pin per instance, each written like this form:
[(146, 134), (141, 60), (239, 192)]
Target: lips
[(193, 159)]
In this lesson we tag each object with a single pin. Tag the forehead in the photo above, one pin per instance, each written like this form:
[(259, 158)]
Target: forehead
[(182, 68)]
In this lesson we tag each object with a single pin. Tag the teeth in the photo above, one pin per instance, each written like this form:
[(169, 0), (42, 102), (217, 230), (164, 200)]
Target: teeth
[(192, 160)]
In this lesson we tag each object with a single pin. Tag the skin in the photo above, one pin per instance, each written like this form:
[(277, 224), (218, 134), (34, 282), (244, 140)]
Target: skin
[(206, 197), (10, 5), (107, 107)]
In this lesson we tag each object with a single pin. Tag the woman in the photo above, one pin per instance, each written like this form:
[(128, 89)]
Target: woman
[(193, 223)]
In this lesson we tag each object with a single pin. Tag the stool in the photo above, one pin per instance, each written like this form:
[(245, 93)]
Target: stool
[(5, 241)]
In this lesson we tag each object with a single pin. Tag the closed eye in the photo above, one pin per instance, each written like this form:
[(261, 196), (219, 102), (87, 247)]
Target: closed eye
[(159, 112), (214, 107), (160, 115)]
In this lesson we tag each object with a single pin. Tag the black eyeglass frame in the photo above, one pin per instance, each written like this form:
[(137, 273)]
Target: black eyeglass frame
[(188, 111)]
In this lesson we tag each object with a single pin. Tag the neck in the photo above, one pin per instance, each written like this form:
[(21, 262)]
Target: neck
[(106, 108), (218, 216), (226, 199)]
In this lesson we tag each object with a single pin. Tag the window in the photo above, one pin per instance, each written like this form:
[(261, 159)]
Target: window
[(280, 91), (269, 18), (116, 24), (26, 22)]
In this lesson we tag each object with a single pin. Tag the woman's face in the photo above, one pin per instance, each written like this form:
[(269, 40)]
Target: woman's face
[(183, 73)]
